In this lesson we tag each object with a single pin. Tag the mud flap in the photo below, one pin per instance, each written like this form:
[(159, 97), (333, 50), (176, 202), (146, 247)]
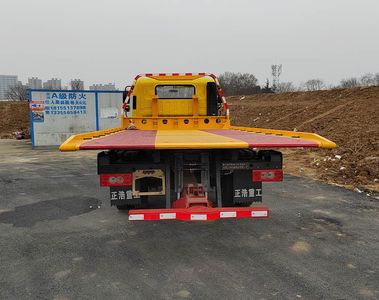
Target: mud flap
[(122, 195), (245, 191)]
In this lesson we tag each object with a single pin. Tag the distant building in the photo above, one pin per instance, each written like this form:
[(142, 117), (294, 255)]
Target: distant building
[(34, 83), (7, 81), (77, 84), (53, 84), (103, 87)]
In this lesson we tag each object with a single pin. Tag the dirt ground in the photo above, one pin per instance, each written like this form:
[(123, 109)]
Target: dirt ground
[(349, 117), (14, 118)]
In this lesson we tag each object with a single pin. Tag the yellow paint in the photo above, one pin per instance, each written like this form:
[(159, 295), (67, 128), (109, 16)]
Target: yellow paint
[(73, 142), (154, 106), (182, 122), (195, 139), (323, 142), (149, 105)]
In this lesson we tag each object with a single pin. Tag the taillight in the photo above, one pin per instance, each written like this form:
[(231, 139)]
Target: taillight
[(267, 175), (116, 179)]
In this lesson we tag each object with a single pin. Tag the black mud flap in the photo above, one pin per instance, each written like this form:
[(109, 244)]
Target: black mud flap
[(238, 189), (245, 191)]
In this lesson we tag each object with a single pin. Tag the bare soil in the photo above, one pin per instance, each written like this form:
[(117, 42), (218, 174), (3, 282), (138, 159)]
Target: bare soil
[(349, 117), (14, 119)]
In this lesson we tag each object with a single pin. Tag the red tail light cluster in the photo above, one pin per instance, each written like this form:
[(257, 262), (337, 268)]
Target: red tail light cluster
[(116, 179), (267, 175)]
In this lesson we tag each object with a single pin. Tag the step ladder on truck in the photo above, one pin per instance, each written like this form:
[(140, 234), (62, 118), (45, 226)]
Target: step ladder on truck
[(176, 155)]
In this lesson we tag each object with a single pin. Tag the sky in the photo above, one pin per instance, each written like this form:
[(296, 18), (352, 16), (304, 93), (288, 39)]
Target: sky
[(114, 40)]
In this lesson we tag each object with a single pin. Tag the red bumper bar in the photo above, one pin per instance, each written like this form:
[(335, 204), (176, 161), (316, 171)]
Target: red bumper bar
[(197, 213)]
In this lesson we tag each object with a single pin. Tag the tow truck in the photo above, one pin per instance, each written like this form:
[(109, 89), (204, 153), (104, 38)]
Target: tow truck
[(177, 156)]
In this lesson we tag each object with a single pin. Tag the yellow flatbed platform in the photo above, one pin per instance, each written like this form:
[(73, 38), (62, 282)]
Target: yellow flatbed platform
[(233, 138)]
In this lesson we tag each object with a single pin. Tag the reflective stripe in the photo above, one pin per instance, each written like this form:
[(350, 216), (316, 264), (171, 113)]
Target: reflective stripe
[(228, 214), (138, 217), (198, 217), (167, 216), (259, 213)]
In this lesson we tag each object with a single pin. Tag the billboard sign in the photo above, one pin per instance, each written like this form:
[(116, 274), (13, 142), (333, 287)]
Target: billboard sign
[(55, 115)]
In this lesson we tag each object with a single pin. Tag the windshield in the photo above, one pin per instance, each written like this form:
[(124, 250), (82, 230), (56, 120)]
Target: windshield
[(175, 91)]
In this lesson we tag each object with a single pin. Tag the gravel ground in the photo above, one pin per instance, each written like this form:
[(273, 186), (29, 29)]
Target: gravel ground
[(60, 239)]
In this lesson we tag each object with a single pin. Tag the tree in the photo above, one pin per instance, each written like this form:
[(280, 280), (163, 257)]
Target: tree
[(285, 87), (239, 84), (276, 71), (349, 82), (376, 79), (314, 85), (77, 84), (267, 88), (17, 92), (368, 79)]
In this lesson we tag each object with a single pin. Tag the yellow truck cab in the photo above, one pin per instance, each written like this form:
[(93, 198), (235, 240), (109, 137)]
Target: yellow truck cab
[(167, 102)]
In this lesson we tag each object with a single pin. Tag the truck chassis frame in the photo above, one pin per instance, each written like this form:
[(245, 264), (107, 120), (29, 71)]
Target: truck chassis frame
[(225, 177)]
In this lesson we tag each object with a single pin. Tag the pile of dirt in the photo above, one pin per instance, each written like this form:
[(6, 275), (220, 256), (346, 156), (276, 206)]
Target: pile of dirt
[(349, 117), (14, 120)]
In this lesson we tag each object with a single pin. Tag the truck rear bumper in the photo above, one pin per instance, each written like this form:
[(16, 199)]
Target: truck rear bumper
[(197, 213)]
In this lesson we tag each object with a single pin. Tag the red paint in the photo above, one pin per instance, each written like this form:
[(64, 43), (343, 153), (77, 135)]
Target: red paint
[(267, 175), (124, 140), (260, 140), (187, 214), (193, 195), (116, 179)]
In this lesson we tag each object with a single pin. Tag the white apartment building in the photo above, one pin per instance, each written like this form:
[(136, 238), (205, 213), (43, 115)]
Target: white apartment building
[(34, 83), (7, 81), (103, 87), (53, 84)]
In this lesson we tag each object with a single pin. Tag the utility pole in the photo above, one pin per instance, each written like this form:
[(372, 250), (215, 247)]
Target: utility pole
[(276, 71)]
